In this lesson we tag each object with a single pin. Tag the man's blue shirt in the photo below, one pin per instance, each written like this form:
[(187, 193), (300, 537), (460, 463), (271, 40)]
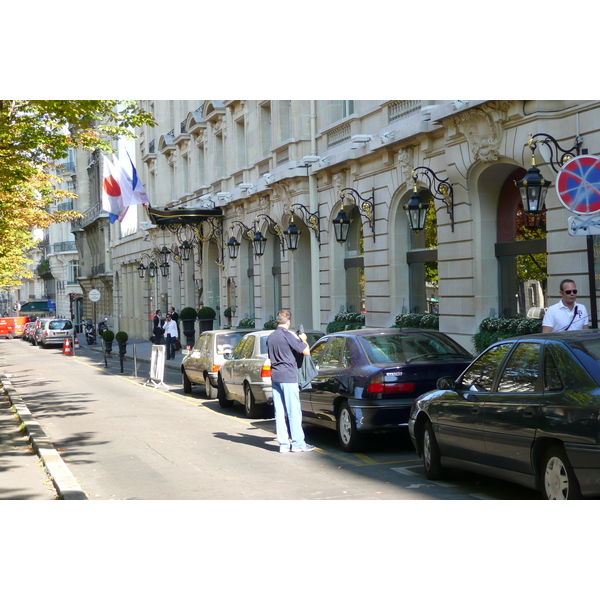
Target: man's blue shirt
[(284, 347)]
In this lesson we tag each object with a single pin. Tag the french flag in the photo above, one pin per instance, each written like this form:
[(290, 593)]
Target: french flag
[(112, 191)]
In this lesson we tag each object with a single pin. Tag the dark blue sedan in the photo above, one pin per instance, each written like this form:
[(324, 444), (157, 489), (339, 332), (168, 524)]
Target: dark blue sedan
[(527, 410), (368, 378)]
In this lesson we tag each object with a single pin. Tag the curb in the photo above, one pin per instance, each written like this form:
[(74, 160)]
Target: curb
[(62, 479)]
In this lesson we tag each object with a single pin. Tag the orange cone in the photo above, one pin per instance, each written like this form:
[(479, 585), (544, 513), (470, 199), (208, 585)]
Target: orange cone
[(76, 342), (67, 347)]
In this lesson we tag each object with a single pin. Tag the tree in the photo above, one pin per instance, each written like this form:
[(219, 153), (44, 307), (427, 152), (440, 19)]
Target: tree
[(34, 134)]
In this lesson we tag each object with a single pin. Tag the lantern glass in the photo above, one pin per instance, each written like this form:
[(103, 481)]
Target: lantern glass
[(185, 250), (416, 211), (292, 236), (164, 269), (165, 256), (151, 269), (234, 247), (259, 242), (341, 226), (533, 189)]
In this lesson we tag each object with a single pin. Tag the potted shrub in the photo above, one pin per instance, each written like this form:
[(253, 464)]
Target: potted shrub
[(188, 318), (206, 316), (108, 336), (122, 338)]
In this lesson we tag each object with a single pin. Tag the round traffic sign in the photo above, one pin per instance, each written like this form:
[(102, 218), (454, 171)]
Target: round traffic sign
[(578, 185), (94, 295)]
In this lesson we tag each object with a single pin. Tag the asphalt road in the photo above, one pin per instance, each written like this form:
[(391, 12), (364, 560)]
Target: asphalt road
[(124, 440)]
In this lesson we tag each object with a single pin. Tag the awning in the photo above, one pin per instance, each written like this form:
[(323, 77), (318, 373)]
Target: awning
[(35, 307), (182, 216)]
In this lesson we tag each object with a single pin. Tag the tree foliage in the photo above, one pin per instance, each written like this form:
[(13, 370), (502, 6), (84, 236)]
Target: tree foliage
[(34, 135)]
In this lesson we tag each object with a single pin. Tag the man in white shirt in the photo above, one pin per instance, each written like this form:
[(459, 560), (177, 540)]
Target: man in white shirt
[(566, 315)]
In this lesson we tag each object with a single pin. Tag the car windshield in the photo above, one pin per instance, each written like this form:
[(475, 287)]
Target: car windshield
[(409, 347), (59, 324), (588, 352)]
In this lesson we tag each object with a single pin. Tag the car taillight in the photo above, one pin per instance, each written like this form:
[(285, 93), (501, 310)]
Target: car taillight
[(265, 371), (378, 385)]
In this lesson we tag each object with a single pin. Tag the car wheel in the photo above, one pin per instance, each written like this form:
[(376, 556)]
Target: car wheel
[(252, 410), (223, 401), (431, 453), (346, 428), (187, 384), (558, 478)]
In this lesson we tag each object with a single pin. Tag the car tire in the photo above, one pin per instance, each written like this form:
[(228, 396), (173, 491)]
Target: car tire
[(558, 480), (252, 410), (187, 384), (349, 438), (431, 453), (223, 401)]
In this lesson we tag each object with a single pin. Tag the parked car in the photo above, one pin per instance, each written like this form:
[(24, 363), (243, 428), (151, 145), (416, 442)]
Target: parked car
[(245, 376), (28, 331), (52, 332), (202, 363), (526, 410), (37, 327), (12, 327), (368, 378)]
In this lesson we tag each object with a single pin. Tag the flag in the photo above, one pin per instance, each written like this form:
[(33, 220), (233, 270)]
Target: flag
[(112, 191), (138, 192)]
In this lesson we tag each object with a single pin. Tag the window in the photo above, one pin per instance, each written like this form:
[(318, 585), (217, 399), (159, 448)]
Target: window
[(521, 372), (240, 140), (340, 109), (552, 381), (285, 120), (265, 128), (479, 377), (331, 357)]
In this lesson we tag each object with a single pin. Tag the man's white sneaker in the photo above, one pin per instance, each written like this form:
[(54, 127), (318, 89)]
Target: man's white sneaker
[(305, 448)]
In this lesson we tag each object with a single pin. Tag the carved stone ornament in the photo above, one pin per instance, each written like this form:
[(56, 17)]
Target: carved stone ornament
[(281, 191), (406, 161), (483, 127)]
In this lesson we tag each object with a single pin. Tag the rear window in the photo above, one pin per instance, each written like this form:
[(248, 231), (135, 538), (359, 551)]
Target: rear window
[(406, 348), (226, 342), (60, 325)]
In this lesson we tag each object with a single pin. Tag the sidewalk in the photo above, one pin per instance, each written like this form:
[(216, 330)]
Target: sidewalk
[(24, 445)]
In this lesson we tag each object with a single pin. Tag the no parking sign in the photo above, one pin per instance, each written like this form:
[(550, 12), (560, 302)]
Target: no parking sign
[(578, 185)]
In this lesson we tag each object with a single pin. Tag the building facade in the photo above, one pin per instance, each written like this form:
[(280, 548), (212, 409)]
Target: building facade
[(242, 169)]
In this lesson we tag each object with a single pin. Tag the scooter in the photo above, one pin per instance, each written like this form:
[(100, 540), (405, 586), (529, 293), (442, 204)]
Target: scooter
[(102, 326), (90, 332)]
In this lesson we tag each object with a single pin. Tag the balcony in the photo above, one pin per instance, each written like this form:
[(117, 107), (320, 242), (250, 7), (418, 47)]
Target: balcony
[(64, 247)]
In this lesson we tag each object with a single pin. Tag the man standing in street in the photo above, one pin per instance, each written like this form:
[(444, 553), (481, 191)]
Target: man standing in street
[(566, 315), (284, 348), (171, 335)]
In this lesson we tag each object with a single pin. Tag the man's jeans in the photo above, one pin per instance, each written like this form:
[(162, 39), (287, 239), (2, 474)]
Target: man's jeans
[(286, 398)]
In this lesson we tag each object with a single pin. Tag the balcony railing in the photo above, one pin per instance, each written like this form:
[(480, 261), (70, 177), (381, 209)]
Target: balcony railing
[(400, 109), (64, 247)]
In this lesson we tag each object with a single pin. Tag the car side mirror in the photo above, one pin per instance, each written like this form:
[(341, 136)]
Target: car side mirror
[(445, 383), (226, 355)]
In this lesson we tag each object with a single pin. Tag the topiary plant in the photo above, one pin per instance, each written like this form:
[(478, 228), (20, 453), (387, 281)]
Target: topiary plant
[(108, 335), (206, 312), (121, 337), (188, 313)]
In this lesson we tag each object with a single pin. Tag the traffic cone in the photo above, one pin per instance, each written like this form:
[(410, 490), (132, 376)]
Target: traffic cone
[(67, 346), (76, 343)]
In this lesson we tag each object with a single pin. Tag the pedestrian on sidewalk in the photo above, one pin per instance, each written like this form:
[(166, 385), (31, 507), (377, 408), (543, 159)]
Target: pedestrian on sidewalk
[(170, 336), (285, 348), (158, 327), (566, 314), (175, 316)]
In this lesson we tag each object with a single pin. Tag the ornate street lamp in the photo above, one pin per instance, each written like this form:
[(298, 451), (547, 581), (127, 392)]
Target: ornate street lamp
[(440, 189), (141, 271), (292, 235), (259, 241), (185, 249), (533, 189), (416, 211), (341, 226)]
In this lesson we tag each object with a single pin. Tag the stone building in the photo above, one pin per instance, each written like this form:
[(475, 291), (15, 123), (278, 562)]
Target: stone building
[(222, 173)]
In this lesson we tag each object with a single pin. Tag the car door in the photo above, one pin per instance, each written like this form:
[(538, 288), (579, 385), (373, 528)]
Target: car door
[(232, 371), (193, 367), (511, 411), (316, 353), (330, 382), (459, 416)]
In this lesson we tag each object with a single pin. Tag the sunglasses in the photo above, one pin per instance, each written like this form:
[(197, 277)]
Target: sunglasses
[(570, 291)]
